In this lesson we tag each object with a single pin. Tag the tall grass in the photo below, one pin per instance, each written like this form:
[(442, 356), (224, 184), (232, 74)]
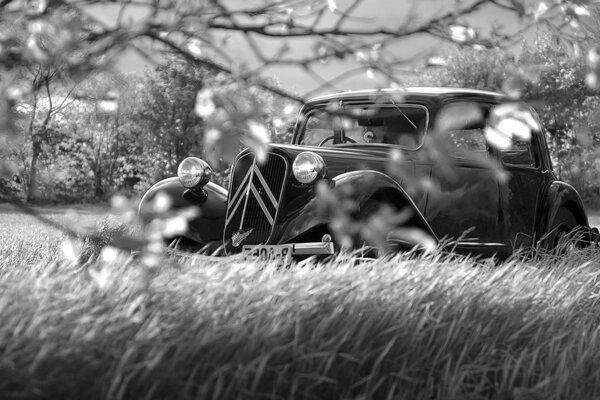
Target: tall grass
[(431, 327), (442, 327)]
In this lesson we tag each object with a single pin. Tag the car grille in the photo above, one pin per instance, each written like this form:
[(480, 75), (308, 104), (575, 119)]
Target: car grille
[(254, 194)]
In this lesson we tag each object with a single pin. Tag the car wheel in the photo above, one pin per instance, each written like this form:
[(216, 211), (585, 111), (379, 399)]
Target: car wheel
[(559, 237), (370, 250)]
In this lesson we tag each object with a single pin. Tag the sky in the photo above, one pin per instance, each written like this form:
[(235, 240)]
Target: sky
[(372, 13)]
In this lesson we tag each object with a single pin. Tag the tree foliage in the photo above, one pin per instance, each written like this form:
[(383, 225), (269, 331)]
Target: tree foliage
[(101, 141), (306, 35), (167, 116)]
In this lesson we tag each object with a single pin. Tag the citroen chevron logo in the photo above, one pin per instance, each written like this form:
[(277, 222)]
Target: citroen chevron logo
[(238, 237), (252, 187)]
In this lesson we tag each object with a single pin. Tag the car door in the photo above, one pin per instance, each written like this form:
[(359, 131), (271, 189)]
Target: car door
[(464, 204), (520, 194)]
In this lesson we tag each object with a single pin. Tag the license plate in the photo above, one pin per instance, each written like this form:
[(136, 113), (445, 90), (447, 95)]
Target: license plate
[(280, 254)]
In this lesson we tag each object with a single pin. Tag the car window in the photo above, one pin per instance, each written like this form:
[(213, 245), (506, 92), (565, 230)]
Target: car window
[(319, 126), (467, 140), (403, 125), (519, 154), (462, 126)]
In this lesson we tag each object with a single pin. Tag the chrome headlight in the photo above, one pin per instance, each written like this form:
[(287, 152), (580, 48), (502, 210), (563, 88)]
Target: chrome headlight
[(308, 166), (194, 172)]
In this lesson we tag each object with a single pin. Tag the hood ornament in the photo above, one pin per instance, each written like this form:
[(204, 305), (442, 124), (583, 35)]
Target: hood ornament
[(238, 237)]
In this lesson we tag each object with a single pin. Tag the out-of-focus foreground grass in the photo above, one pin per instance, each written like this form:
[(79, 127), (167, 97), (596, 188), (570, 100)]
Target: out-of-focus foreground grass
[(432, 327)]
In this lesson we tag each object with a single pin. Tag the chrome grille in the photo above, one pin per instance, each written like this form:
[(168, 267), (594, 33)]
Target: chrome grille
[(254, 195)]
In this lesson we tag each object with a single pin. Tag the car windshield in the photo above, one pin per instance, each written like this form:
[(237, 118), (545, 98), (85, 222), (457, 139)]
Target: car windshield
[(402, 125)]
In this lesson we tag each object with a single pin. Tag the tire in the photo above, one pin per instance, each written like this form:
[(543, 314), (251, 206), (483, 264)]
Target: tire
[(559, 237), (365, 212), (371, 250), (180, 243)]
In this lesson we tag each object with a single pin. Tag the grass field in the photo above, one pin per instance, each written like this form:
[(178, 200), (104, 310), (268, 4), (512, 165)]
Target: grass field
[(426, 328)]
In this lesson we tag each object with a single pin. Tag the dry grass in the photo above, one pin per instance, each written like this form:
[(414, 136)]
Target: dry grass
[(436, 327)]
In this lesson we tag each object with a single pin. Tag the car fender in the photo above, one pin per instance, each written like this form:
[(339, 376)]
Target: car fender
[(560, 195), (208, 225), (359, 186)]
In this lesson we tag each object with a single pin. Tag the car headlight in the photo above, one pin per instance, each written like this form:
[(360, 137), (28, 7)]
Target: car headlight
[(308, 166), (194, 172)]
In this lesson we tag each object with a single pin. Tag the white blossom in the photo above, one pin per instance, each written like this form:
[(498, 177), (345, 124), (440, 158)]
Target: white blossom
[(332, 5), (258, 132), (497, 138), (194, 46), (110, 254), (205, 107), (70, 249), (516, 128), (541, 10), (461, 33), (175, 226)]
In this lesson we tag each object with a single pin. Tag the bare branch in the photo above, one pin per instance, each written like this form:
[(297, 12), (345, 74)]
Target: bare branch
[(215, 67)]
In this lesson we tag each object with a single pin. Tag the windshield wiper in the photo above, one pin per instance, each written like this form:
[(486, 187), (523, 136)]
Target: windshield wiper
[(402, 112)]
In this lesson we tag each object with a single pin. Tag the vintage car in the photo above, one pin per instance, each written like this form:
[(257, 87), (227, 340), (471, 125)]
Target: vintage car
[(374, 147)]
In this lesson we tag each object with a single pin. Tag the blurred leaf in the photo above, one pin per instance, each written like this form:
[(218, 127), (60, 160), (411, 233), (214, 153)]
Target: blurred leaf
[(194, 46), (108, 106), (593, 57), (101, 276), (332, 5), (499, 139), (514, 87), (71, 249), (175, 226), (436, 61), (581, 10), (205, 107), (459, 116), (257, 139), (462, 33), (416, 238), (514, 128), (161, 203), (290, 109), (541, 9), (119, 203)]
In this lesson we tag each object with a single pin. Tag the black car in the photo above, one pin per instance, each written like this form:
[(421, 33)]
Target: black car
[(423, 153)]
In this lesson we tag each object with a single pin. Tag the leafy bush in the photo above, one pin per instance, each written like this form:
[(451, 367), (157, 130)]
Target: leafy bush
[(581, 171)]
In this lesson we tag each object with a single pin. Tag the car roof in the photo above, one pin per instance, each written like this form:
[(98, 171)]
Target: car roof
[(411, 92)]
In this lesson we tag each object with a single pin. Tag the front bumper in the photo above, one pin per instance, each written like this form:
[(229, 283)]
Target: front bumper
[(312, 249)]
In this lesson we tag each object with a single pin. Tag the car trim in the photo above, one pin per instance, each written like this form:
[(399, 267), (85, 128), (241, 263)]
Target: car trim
[(409, 91), (251, 188), (261, 203), (313, 248), (247, 186), (242, 185), (480, 244)]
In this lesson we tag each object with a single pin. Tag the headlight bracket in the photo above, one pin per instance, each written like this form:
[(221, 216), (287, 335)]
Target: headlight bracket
[(195, 195)]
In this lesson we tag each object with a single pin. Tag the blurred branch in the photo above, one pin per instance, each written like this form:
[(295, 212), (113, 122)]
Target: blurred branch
[(215, 67)]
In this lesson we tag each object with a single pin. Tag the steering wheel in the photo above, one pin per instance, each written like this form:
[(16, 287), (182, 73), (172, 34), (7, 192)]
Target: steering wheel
[(328, 138)]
